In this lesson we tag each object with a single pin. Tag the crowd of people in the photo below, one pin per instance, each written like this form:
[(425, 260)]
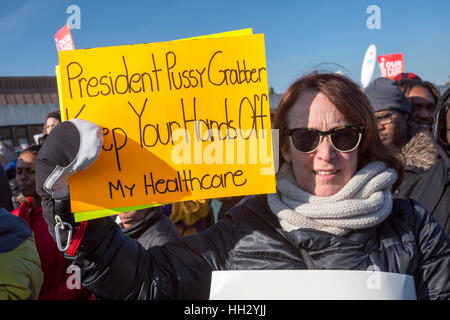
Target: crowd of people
[(363, 181)]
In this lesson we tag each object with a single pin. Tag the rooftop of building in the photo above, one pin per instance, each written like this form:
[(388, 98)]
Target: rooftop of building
[(28, 91)]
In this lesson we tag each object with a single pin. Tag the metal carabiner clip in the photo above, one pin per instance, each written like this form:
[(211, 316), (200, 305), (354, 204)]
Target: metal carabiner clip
[(61, 225)]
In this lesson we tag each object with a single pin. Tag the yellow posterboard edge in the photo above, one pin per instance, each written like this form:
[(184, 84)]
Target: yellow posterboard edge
[(90, 215), (233, 33), (60, 95)]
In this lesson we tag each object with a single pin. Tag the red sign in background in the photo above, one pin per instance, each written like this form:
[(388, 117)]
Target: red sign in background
[(391, 65), (63, 39)]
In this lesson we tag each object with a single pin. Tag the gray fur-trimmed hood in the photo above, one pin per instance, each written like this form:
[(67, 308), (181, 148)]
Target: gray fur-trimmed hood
[(420, 152)]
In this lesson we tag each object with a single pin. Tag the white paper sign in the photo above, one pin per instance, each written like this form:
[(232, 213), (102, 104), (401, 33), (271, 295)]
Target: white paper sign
[(311, 285)]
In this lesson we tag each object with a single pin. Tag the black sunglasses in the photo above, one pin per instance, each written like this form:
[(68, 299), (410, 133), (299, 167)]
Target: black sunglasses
[(344, 139)]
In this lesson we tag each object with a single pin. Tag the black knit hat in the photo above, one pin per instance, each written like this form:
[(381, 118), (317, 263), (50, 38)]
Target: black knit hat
[(54, 114), (383, 95)]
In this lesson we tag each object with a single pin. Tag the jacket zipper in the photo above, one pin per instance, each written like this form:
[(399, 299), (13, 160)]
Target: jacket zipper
[(153, 289), (308, 260)]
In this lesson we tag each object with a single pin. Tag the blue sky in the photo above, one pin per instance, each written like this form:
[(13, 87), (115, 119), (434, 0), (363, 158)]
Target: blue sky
[(299, 35)]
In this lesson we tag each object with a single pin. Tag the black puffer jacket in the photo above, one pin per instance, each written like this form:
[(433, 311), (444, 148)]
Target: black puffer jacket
[(432, 188), (250, 237)]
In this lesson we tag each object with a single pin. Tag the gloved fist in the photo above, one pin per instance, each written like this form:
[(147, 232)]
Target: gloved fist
[(71, 146)]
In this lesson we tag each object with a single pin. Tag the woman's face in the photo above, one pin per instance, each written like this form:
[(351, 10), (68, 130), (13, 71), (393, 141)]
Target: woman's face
[(325, 171), (50, 124)]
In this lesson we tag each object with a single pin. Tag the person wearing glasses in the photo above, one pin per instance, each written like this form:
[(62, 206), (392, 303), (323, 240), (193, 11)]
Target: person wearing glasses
[(333, 209), (392, 110)]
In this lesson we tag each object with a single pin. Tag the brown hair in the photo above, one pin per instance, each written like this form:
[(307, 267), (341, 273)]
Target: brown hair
[(407, 85), (353, 103)]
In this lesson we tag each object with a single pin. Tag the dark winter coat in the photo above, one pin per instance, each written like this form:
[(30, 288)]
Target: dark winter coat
[(21, 275), (250, 237), (155, 229), (432, 187)]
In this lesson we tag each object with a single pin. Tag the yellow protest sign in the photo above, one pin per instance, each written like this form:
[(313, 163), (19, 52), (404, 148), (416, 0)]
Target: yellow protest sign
[(181, 120), (234, 33), (93, 214)]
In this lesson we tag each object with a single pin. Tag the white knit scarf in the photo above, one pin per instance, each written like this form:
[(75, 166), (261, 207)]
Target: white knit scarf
[(364, 201)]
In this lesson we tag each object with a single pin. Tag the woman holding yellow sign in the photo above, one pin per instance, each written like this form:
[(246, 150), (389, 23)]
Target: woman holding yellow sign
[(333, 209)]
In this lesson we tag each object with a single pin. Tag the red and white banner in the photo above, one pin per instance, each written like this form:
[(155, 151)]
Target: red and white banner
[(63, 39), (391, 65)]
